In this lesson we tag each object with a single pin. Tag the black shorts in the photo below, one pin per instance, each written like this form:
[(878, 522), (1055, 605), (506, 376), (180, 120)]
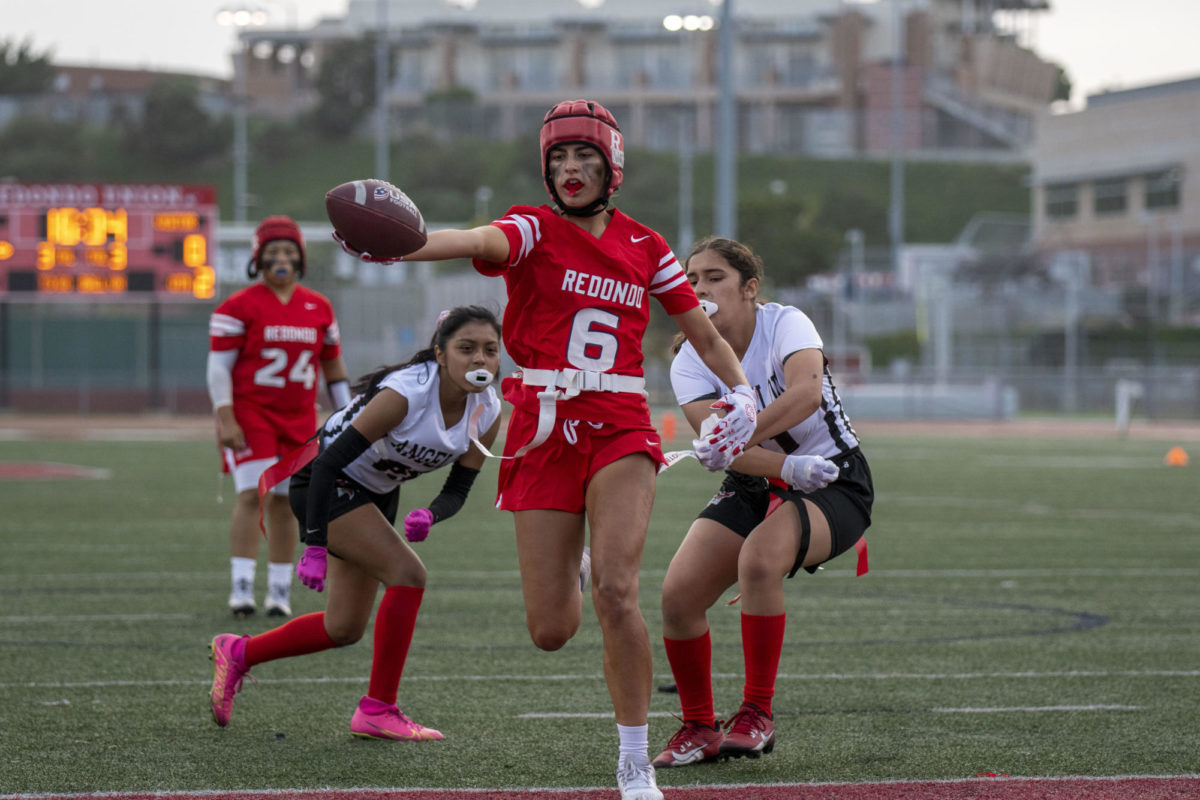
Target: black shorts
[(350, 495), (741, 504)]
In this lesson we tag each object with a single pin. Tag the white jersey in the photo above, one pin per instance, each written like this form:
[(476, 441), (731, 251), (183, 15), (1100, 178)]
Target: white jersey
[(421, 443), (779, 331)]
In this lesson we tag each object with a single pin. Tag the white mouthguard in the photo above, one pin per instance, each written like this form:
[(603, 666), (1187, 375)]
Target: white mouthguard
[(709, 307), (480, 377)]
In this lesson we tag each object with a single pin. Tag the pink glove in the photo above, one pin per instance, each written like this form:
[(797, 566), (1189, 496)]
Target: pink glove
[(311, 568), (337, 237), (417, 524)]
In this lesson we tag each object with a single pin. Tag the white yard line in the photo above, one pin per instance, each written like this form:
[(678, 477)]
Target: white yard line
[(999, 710), (1030, 572), (722, 789), (44, 618), (883, 676), (1008, 709)]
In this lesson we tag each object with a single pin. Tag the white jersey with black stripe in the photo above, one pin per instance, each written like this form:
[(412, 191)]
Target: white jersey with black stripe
[(779, 331), (422, 442)]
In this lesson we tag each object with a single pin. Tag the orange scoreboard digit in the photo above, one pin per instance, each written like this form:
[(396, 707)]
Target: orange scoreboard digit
[(150, 241)]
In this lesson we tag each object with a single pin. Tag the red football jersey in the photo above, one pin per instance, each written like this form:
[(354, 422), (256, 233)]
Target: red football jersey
[(575, 300), (280, 347)]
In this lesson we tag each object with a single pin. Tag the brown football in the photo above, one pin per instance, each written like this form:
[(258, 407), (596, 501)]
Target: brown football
[(375, 217)]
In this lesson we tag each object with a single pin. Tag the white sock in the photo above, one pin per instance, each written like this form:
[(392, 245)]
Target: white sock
[(279, 576), (242, 569), (635, 739)]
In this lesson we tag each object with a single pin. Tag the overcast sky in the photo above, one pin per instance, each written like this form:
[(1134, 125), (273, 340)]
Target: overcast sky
[(1103, 44)]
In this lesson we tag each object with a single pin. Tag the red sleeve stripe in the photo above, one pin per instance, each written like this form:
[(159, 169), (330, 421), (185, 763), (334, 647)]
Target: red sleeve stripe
[(225, 325), (530, 231)]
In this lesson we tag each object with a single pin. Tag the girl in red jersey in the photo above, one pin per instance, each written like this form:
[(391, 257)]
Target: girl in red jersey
[(580, 448), (267, 341)]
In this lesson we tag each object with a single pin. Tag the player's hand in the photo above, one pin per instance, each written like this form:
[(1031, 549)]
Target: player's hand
[(417, 524), (310, 569), (337, 237), (723, 439), (808, 473), (230, 434), (710, 452)]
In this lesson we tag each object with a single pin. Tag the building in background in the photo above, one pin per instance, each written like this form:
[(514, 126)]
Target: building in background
[(107, 95), (812, 77), (1118, 183)]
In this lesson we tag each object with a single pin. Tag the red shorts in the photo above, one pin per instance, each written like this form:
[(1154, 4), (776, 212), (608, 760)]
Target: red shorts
[(268, 437), (555, 474)]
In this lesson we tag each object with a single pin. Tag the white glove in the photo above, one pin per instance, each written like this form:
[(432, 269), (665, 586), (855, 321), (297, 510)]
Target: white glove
[(808, 473), (723, 439), (714, 457)]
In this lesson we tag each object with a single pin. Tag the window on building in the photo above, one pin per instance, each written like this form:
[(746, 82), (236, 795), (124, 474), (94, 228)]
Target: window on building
[(1162, 189), (1062, 200), (1108, 196), (526, 68), (409, 77)]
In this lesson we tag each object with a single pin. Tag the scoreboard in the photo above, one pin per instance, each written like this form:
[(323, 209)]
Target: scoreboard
[(147, 241)]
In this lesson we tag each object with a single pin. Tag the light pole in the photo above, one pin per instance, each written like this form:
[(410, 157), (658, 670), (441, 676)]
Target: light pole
[(726, 146), (896, 206), (382, 40), (685, 25), (240, 17)]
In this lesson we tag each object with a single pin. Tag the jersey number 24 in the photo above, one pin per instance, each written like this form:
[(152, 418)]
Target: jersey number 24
[(271, 374)]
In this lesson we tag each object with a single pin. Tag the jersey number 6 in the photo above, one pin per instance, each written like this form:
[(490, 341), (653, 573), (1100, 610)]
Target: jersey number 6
[(592, 346)]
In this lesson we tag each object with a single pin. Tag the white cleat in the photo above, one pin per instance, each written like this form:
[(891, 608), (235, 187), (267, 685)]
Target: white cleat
[(241, 599), (585, 568), (635, 778), (278, 602)]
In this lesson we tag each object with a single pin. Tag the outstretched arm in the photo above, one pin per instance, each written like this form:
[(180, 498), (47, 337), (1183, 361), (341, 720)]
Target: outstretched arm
[(487, 242)]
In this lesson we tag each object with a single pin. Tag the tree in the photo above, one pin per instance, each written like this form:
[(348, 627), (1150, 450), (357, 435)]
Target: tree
[(22, 71), (34, 149), (174, 129), (798, 237), (1062, 84), (346, 87)]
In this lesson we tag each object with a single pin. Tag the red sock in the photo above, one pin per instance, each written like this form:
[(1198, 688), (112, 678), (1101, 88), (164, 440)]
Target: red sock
[(762, 644), (297, 637), (691, 664), (394, 624)]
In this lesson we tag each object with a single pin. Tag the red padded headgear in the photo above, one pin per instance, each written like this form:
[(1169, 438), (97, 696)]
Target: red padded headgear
[(584, 121), (270, 229)]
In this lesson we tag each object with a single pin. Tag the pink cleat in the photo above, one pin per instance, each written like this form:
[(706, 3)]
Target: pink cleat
[(229, 667), (375, 719)]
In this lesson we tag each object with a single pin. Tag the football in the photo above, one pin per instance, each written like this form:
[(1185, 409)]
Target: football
[(375, 217)]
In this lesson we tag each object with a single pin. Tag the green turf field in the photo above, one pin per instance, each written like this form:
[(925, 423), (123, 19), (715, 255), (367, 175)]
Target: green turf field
[(1033, 608)]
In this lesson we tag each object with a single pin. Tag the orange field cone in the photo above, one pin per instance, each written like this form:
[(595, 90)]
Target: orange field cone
[(1176, 457), (668, 426)]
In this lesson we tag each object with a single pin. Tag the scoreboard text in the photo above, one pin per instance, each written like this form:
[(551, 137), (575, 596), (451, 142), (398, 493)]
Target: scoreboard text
[(134, 240)]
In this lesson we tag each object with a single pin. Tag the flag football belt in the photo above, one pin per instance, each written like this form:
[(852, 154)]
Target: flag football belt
[(284, 469), (555, 385)]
